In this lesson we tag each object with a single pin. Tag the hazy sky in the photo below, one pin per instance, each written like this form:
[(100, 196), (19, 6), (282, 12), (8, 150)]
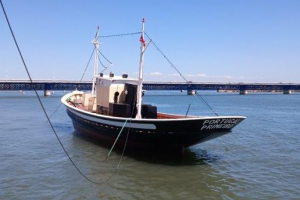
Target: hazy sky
[(208, 40)]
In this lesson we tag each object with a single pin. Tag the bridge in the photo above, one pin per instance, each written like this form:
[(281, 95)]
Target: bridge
[(191, 87)]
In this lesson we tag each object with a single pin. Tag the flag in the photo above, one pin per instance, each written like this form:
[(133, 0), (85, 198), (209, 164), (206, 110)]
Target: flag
[(142, 40)]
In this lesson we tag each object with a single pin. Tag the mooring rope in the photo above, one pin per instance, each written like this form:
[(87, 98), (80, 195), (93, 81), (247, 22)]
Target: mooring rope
[(41, 104), (48, 118), (125, 145), (55, 110), (116, 140)]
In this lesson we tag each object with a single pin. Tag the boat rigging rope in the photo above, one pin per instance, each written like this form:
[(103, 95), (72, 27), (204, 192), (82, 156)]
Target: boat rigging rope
[(55, 110), (110, 63), (87, 65), (102, 64), (120, 35), (104, 57), (39, 99), (172, 65)]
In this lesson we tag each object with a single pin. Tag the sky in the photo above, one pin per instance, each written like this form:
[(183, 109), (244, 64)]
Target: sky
[(251, 41)]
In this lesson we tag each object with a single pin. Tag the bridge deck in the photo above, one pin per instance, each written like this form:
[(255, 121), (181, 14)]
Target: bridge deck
[(86, 85)]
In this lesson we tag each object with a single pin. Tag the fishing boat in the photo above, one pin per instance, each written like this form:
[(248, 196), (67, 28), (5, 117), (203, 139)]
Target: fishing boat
[(113, 113)]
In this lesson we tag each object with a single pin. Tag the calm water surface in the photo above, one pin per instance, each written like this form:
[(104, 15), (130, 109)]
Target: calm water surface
[(260, 159)]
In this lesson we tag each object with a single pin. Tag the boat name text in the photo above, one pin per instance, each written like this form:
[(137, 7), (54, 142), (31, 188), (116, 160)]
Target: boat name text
[(219, 123)]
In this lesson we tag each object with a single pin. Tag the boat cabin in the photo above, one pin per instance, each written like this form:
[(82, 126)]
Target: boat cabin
[(116, 96)]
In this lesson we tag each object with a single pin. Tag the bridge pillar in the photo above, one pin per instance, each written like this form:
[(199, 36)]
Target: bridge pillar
[(191, 92), (243, 92), (243, 89), (47, 90), (47, 93), (287, 91)]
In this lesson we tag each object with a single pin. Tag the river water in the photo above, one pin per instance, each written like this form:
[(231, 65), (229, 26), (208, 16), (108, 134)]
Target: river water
[(260, 159)]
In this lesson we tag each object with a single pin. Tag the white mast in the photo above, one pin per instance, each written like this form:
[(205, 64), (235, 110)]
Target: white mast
[(140, 85), (96, 43)]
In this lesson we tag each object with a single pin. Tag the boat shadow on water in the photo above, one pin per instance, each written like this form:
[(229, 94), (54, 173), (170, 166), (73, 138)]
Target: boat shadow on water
[(187, 157)]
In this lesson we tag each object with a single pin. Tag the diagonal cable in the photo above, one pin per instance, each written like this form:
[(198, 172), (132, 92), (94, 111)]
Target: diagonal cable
[(104, 57), (39, 99), (172, 65), (120, 35), (87, 65)]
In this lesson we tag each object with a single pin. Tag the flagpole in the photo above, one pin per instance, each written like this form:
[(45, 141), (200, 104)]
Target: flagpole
[(140, 84)]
